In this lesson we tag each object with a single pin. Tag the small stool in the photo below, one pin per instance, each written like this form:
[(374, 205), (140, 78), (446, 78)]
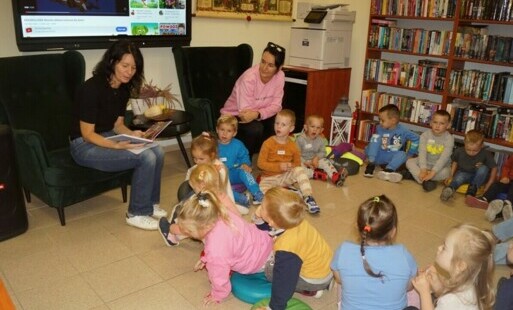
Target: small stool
[(250, 288), (340, 129)]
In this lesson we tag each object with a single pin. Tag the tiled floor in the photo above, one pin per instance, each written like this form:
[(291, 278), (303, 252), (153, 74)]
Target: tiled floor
[(98, 262)]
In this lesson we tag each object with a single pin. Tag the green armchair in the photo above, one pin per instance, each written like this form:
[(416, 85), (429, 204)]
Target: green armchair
[(36, 97), (207, 76)]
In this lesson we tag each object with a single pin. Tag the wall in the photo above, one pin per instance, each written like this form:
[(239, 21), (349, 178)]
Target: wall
[(159, 62)]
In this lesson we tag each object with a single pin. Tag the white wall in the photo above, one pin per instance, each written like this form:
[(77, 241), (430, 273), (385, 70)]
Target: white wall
[(159, 62)]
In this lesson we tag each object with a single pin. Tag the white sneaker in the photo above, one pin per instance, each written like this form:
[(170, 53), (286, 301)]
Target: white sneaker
[(243, 210), (393, 177), (158, 212), (507, 211), (494, 208), (145, 222)]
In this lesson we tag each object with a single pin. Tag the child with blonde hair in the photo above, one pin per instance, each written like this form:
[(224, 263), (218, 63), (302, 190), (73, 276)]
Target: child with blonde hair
[(462, 278), (235, 157), (301, 255), (374, 273), (280, 161), (231, 243)]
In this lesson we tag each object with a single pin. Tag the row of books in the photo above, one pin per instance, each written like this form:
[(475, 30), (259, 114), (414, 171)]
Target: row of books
[(483, 47), (501, 10), (493, 122), (482, 85), (410, 109), (427, 74), (416, 40), (366, 128), (414, 8)]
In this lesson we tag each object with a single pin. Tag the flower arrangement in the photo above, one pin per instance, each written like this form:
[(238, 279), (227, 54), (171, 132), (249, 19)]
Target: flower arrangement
[(153, 101)]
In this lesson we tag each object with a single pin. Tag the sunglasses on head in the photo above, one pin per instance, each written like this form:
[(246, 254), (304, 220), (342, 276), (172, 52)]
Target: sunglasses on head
[(276, 47)]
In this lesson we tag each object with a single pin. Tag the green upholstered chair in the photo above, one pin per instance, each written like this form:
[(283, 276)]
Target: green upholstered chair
[(207, 76), (36, 97)]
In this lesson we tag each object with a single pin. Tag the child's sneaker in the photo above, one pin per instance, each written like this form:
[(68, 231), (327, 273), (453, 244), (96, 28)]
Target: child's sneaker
[(312, 206), (158, 212), (170, 239), (389, 175), (428, 186), (447, 193), (257, 198), (507, 210), (320, 174), (369, 171), (338, 179), (407, 175), (494, 208), (476, 202)]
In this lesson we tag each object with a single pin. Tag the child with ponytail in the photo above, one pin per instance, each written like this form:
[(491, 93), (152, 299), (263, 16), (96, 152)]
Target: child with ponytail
[(374, 273)]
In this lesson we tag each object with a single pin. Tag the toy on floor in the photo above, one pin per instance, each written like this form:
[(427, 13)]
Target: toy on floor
[(250, 288), (292, 304)]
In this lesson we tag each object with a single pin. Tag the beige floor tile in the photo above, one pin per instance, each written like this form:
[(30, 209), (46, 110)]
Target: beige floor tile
[(28, 243), (70, 293), (159, 296), (121, 278)]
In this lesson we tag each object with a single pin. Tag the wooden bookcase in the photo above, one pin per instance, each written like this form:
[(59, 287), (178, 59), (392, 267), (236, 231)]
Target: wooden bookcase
[(403, 34), (314, 91)]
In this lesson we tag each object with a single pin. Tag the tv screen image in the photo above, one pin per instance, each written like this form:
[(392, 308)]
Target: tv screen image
[(87, 24)]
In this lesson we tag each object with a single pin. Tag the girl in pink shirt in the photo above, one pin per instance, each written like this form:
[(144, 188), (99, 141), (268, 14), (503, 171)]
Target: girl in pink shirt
[(231, 243)]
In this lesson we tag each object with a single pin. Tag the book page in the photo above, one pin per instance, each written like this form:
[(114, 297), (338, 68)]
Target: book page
[(132, 139), (155, 129)]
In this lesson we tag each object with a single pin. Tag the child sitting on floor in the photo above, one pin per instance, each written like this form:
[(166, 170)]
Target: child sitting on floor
[(374, 274), (386, 145), (435, 149), (280, 160), (235, 157), (471, 164), (301, 255), (313, 152)]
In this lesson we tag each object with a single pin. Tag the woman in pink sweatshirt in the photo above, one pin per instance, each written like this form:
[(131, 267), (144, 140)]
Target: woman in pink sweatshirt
[(256, 98), (231, 243)]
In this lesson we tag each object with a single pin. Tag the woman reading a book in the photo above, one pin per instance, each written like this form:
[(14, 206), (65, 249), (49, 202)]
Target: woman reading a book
[(256, 98), (100, 105)]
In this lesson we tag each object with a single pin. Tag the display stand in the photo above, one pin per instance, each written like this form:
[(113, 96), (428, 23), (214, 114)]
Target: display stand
[(340, 129)]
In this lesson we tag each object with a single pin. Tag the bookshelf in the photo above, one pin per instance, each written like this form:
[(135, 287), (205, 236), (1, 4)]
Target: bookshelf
[(441, 54)]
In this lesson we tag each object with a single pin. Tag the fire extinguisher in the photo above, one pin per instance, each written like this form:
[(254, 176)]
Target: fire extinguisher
[(354, 122)]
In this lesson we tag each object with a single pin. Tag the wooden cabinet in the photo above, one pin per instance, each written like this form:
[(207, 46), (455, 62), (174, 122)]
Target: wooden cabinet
[(441, 54), (314, 91)]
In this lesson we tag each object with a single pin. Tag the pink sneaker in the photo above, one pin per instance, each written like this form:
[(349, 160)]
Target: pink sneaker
[(475, 202)]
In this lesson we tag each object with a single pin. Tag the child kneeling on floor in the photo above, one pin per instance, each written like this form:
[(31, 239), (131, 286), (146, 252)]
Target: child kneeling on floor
[(301, 261)]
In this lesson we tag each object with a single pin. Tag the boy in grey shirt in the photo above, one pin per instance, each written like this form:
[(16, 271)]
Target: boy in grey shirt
[(313, 152), (435, 149)]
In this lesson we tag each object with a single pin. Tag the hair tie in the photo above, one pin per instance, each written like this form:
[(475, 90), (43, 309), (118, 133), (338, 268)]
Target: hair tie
[(367, 228), (203, 200), (376, 199)]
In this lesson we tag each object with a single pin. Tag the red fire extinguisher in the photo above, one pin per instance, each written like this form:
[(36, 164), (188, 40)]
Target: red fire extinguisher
[(354, 122)]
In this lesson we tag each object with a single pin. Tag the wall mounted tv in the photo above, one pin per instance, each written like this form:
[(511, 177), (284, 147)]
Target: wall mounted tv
[(43, 25)]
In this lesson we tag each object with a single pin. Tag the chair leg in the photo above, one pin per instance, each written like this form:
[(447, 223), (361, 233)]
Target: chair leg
[(124, 186), (184, 152), (60, 211), (27, 195)]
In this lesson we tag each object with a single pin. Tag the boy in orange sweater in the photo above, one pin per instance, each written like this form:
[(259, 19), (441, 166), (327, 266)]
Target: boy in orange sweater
[(280, 160)]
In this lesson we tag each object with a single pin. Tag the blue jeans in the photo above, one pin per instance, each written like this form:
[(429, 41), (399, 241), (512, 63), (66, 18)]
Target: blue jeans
[(504, 298), (503, 231), (145, 187), (474, 179), (378, 156)]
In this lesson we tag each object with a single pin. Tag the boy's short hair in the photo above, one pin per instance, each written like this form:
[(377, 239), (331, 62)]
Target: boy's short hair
[(228, 119), (314, 116), (443, 113), (288, 113), (474, 136), (391, 110), (284, 207)]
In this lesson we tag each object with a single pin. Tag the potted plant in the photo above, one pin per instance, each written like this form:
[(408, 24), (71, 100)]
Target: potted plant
[(154, 101)]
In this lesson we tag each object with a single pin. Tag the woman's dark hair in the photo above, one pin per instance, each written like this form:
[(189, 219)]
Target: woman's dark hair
[(376, 219), (277, 51), (113, 55)]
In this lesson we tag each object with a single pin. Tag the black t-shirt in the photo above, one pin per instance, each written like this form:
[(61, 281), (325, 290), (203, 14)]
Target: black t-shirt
[(471, 163), (99, 104)]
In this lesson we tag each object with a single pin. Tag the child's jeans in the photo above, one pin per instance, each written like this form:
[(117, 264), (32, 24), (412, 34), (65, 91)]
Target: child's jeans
[(378, 156), (503, 231), (498, 188), (239, 175), (504, 298), (296, 175), (474, 179), (324, 164)]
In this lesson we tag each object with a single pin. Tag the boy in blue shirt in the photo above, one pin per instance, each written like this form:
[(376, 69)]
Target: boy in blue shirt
[(235, 157), (387, 144)]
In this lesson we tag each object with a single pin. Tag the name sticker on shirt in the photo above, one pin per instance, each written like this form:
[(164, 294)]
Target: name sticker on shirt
[(308, 146), (223, 159), (431, 141), (281, 152)]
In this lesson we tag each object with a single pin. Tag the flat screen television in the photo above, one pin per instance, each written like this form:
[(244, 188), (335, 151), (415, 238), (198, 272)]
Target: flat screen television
[(43, 25)]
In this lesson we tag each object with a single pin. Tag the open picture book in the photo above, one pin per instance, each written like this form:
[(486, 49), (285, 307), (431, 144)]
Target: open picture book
[(149, 135)]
